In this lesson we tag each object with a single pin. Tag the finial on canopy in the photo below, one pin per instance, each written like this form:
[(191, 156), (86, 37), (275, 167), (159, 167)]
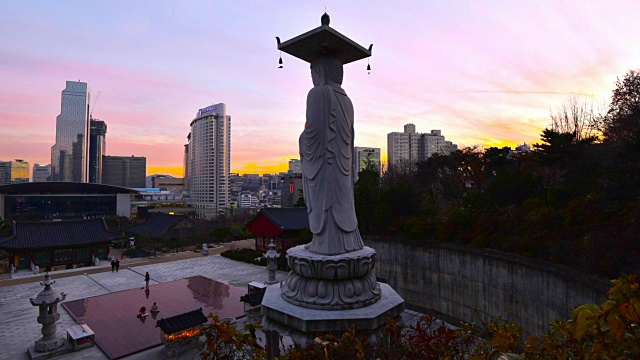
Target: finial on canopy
[(325, 19)]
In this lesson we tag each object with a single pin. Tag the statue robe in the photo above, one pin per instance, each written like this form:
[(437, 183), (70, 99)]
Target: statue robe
[(326, 153)]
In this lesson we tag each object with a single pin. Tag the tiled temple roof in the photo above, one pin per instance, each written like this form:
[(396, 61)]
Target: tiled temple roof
[(158, 225), (181, 322), (56, 234), (285, 218)]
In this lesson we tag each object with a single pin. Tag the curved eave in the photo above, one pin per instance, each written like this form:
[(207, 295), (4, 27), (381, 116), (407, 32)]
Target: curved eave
[(314, 43), (15, 247)]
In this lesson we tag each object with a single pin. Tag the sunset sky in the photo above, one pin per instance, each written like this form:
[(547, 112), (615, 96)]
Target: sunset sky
[(483, 72)]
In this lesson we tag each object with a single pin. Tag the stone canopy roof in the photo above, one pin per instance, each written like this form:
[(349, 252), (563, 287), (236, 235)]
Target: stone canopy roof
[(181, 322), (57, 234)]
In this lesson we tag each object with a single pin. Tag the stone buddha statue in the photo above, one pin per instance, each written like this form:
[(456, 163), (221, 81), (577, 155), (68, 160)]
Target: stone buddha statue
[(335, 271), (326, 153)]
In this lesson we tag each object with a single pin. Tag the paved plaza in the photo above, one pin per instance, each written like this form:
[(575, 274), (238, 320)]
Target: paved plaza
[(19, 328)]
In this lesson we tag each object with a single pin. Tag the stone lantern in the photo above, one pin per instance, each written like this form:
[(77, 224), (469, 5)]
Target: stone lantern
[(272, 257), (47, 301)]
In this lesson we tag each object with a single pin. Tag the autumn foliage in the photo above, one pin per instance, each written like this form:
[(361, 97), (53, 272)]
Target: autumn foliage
[(610, 330)]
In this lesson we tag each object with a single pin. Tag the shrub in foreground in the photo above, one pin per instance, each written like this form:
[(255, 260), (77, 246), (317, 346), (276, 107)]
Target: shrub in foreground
[(610, 330)]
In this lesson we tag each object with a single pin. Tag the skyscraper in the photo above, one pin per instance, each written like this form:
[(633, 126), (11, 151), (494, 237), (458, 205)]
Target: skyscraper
[(69, 155), (295, 166), (186, 160), (209, 161), (125, 171), (12, 172), (41, 172), (97, 148)]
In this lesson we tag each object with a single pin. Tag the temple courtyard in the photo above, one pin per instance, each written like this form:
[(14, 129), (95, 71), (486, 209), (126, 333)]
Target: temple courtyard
[(121, 294)]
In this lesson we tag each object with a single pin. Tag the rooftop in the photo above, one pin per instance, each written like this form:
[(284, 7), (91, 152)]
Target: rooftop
[(285, 218), (158, 224), (51, 187), (52, 234)]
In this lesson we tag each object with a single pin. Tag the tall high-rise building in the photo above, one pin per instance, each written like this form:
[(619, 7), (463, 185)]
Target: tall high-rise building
[(403, 146), (97, 148), (125, 171), (410, 146), (12, 172), (41, 172), (186, 164), (69, 155), (295, 166), (363, 156), (209, 154)]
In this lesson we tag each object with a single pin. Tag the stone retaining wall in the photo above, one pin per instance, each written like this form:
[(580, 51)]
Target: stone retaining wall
[(456, 280)]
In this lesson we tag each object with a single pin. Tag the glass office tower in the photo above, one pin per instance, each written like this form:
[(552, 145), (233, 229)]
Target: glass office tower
[(69, 155), (97, 148)]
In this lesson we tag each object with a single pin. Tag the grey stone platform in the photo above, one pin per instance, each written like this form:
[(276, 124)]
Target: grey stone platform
[(19, 328), (367, 318), (34, 355)]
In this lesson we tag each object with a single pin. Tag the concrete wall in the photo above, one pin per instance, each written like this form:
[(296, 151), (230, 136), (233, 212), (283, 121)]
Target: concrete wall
[(456, 280)]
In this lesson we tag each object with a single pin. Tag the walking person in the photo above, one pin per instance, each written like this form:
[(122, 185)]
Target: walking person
[(117, 265), (113, 265), (147, 278)]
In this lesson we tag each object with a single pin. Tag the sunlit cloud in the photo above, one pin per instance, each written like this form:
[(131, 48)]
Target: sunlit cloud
[(484, 73)]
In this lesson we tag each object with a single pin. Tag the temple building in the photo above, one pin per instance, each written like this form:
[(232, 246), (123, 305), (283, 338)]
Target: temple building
[(283, 225), (57, 244)]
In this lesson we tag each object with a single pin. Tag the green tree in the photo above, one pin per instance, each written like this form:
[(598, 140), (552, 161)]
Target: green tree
[(622, 121), (367, 196)]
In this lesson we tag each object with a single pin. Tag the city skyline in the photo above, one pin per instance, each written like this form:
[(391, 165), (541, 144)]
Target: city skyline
[(484, 74)]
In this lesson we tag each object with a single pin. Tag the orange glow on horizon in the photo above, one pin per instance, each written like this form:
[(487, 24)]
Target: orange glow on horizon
[(176, 171), (250, 168), (253, 168)]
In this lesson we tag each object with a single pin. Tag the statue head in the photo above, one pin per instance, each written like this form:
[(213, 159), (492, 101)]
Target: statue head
[(326, 70)]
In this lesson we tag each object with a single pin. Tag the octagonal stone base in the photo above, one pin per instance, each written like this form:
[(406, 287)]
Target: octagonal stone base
[(331, 282), (367, 318)]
